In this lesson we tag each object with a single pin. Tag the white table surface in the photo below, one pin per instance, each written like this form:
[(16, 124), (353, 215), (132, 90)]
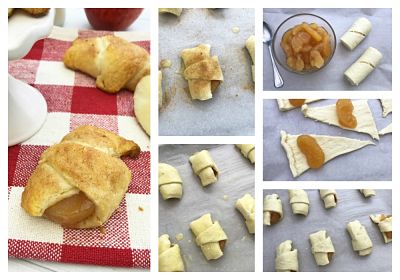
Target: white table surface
[(75, 18)]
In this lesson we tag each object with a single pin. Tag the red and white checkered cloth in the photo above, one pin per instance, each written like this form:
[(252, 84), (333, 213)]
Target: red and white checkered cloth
[(73, 100)]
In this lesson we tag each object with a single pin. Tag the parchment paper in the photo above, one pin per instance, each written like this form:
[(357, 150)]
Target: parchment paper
[(231, 110), (370, 163), (236, 179), (351, 206), (331, 77)]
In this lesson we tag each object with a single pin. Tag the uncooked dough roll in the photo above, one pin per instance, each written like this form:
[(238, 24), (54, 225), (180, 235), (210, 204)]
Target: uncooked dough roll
[(359, 238), (363, 66), (248, 151), (246, 206), (204, 167), (273, 211), (169, 181), (384, 223), (368, 193), (329, 197), (210, 237), (299, 202), (169, 256), (286, 258), (321, 247), (356, 33), (250, 45)]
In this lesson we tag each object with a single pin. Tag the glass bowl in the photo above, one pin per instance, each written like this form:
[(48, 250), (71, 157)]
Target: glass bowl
[(289, 23)]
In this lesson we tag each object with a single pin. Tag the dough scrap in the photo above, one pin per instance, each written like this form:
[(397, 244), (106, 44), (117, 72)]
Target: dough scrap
[(250, 45), (368, 192), (359, 238), (272, 207), (356, 33), (386, 130), (363, 66), (210, 236), (386, 107), (169, 256), (246, 206), (173, 11), (299, 201), (202, 71), (285, 105), (286, 257), (321, 247), (329, 197), (248, 151), (204, 167), (141, 103), (384, 223), (169, 181), (328, 114), (332, 146)]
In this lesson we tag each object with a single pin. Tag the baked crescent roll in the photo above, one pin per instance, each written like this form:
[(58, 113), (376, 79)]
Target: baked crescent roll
[(174, 11), (169, 181), (210, 237), (273, 211), (248, 151), (299, 202), (141, 103), (113, 61), (246, 206), (368, 193), (384, 223), (286, 258), (329, 197), (81, 181), (169, 256), (202, 71), (204, 166), (359, 238), (321, 247)]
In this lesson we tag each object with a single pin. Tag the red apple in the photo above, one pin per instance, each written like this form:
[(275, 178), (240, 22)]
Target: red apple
[(112, 19)]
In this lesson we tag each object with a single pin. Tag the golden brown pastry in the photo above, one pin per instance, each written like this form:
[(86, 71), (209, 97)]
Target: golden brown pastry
[(141, 103), (174, 11), (36, 12), (113, 61), (202, 71), (81, 181)]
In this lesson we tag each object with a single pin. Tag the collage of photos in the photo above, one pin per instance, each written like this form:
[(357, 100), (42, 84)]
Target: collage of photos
[(100, 182)]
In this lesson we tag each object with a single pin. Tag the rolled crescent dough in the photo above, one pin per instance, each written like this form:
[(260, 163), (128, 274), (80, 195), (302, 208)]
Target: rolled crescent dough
[(332, 147), (321, 247), (248, 151), (286, 258), (174, 11), (285, 105), (386, 107), (209, 234), (362, 112), (356, 33), (329, 197), (384, 223), (299, 202), (169, 181), (169, 256), (363, 66), (359, 238), (204, 167), (368, 193), (250, 45), (386, 130), (272, 205), (246, 206)]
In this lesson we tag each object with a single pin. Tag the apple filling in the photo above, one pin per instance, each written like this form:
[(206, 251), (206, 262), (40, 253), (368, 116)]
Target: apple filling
[(222, 244), (275, 217), (71, 210), (344, 111), (297, 102), (312, 151)]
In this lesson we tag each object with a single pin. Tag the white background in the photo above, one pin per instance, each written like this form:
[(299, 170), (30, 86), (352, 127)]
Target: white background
[(223, 140)]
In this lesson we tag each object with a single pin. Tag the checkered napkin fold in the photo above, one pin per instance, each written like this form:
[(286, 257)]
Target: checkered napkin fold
[(73, 100)]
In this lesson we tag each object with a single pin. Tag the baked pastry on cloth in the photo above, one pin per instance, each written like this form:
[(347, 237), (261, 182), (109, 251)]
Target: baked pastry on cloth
[(81, 181), (202, 71), (113, 61), (169, 256)]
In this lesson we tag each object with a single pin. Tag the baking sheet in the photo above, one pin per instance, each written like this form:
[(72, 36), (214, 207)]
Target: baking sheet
[(236, 179), (351, 206), (231, 110), (370, 163), (331, 76)]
